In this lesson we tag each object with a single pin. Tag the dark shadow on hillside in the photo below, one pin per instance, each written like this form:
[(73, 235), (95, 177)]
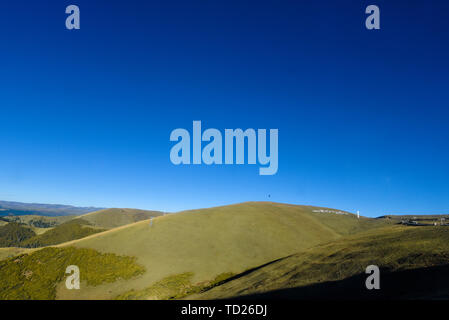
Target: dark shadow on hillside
[(244, 273), (430, 283)]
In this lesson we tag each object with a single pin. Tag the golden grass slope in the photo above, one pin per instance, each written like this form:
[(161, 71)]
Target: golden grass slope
[(393, 249), (209, 242), (12, 252)]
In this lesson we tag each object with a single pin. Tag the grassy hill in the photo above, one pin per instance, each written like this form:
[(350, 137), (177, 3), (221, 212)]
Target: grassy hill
[(68, 231), (45, 231), (112, 218), (32, 231), (16, 234), (215, 241), (253, 249), (414, 263)]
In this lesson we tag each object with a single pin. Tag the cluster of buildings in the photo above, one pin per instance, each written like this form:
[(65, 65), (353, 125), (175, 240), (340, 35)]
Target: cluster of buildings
[(330, 211), (419, 222)]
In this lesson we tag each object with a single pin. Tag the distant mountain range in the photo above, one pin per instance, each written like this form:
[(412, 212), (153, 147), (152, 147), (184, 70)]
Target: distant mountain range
[(19, 208)]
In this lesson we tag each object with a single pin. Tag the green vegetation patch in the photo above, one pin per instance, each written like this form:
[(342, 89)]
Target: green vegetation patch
[(174, 287), (12, 234), (38, 221), (35, 276)]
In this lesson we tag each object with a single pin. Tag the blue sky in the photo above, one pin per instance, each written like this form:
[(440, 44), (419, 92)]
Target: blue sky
[(363, 116)]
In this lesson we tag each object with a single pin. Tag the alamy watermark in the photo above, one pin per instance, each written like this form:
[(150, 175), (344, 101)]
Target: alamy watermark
[(372, 281), (73, 280), (372, 22), (73, 20), (212, 153)]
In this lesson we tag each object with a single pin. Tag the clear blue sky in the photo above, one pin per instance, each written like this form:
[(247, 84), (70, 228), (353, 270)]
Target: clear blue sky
[(363, 116)]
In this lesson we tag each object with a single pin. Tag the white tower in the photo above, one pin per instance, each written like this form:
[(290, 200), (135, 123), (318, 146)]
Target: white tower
[(358, 214)]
